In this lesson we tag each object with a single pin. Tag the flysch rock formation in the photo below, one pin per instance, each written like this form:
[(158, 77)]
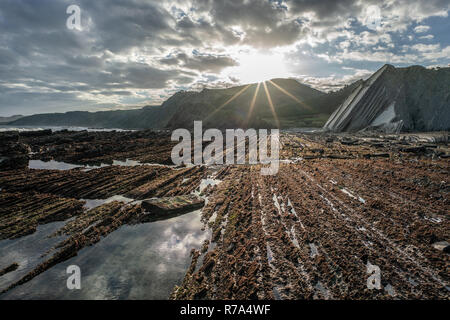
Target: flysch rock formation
[(397, 99)]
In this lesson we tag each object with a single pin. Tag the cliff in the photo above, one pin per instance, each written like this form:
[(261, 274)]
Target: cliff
[(397, 99)]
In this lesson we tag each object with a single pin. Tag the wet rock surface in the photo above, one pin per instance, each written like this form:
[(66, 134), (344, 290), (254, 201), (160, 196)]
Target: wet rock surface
[(298, 235), (10, 268), (309, 232), (21, 213), (173, 205), (92, 148)]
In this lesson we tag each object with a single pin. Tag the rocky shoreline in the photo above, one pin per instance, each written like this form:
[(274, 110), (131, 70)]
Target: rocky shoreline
[(338, 203)]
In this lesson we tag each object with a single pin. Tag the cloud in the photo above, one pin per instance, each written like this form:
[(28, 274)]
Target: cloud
[(335, 82), (421, 29), (200, 62), (427, 37), (137, 52), (425, 47)]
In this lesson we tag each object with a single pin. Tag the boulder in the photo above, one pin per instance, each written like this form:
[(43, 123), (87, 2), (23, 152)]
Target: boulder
[(173, 205)]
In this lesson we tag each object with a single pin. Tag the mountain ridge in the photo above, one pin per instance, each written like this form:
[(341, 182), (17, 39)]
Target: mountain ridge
[(393, 99), (182, 108), (11, 118)]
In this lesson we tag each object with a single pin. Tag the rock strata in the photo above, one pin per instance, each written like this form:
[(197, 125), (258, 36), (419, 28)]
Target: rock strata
[(396, 99)]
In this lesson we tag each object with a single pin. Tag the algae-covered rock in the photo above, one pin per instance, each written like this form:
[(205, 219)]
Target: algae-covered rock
[(171, 205)]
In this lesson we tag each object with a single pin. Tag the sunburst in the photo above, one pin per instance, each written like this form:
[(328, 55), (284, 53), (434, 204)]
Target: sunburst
[(290, 95), (272, 108), (253, 101), (252, 104), (228, 101)]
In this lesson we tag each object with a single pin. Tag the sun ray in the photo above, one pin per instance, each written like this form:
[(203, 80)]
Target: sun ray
[(290, 95), (228, 101), (272, 108), (252, 104)]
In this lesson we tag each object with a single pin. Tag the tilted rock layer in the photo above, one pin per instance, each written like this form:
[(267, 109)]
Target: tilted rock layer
[(397, 99)]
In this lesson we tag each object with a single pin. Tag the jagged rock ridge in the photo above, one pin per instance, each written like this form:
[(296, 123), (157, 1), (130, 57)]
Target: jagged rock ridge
[(397, 99)]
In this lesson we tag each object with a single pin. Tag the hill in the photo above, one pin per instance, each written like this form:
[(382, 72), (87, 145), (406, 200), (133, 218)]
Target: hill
[(294, 105), (4, 120)]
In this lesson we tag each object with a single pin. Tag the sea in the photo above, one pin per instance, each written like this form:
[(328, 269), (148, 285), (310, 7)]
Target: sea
[(4, 128)]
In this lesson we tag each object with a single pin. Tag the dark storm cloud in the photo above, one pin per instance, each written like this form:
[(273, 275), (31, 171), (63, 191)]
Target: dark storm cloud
[(121, 24), (203, 63), (263, 23), (325, 9), (7, 58)]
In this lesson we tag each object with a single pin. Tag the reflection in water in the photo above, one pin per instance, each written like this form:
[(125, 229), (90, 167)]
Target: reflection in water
[(94, 203), (127, 163), (58, 165), (27, 251), (144, 261), (51, 165)]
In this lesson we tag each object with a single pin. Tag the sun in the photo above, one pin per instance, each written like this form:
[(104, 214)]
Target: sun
[(258, 67)]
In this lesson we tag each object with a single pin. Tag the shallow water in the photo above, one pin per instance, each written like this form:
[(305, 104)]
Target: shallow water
[(143, 261), (27, 251), (51, 165), (4, 128), (127, 163), (59, 165), (94, 203)]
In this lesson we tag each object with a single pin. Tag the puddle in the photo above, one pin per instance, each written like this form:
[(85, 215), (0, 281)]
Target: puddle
[(51, 165), (127, 163), (89, 168), (142, 261), (314, 252), (58, 165), (94, 203), (27, 251)]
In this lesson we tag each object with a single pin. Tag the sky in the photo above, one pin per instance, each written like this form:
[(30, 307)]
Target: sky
[(130, 53)]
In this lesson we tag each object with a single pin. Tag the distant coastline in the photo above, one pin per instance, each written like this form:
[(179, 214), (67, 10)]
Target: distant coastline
[(5, 128)]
